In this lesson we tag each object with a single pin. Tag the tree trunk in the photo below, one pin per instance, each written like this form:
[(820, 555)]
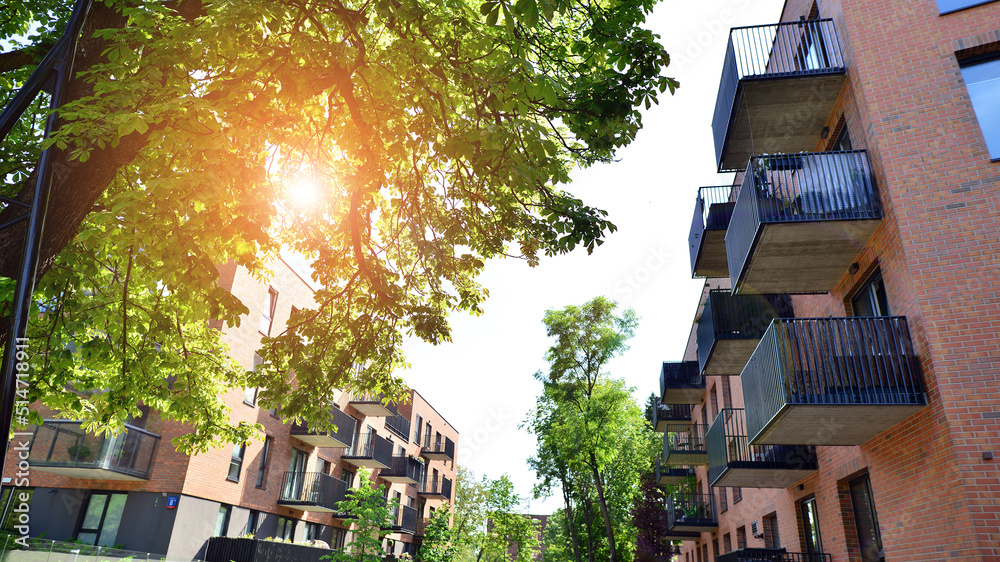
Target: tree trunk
[(570, 522), (613, 557), (590, 532)]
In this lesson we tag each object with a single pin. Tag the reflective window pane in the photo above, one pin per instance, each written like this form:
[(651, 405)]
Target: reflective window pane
[(983, 82)]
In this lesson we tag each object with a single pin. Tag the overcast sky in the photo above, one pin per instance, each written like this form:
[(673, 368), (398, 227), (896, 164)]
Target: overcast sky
[(482, 382)]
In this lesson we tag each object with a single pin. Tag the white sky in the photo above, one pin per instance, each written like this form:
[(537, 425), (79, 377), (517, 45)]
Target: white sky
[(482, 382)]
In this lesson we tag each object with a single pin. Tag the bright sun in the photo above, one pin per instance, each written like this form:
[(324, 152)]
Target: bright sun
[(304, 193)]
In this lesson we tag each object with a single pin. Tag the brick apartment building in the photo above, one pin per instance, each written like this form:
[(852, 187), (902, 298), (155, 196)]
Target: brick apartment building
[(839, 398), (137, 491)]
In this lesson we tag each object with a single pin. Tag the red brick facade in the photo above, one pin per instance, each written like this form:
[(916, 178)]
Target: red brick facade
[(937, 492)]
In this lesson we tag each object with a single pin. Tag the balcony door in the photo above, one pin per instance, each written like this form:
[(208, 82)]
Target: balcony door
[(871, 298), (296, 475), (101, 519), (866, 520), (810, 526)]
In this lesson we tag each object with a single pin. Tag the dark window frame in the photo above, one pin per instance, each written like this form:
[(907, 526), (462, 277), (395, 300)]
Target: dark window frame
[(810, 528), (265, 454)]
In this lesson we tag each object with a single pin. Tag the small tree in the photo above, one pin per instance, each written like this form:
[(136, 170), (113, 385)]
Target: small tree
[(373, 518), (438, 545)]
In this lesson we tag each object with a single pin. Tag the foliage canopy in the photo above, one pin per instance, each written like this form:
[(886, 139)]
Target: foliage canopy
[(435, 135)]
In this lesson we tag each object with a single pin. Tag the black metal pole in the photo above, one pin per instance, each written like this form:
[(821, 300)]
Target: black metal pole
[(61, 64)]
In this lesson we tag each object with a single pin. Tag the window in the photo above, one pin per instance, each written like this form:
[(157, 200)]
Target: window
[(222, 520), (267, 317), (741, 537), (810, 525), (727, 543), (286, 528), (713, 402), (347, 476), (253, 520), (416, 434), (723, 501), (737, 494), (727, 393), (871, 299), (427, 436), (843, 141), (771, 538), (866, 520), (101, 519), (325, 466), (236, 463), (948, 6), (715, 548), (296, 475), (312, 532), (982, 79), (262, 469), (250, 393), (339, 538)]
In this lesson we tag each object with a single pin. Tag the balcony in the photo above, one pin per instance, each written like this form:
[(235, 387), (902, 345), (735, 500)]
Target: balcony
[(681, 383), (712, 211), (691, 513), (442, 449), (371, 405), (734, 462), (342, 436), (405, 469), (665, 475), (731, 326), (779, 84), (684, 445), (369, 450), (312, 491), (831, 381), (400, 425), (404, 520), (436, 488), (664, 414), (800, 221), (64, 448), (772, 555)]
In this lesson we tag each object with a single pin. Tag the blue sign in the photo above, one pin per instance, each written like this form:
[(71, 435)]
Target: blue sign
[(172, 502)]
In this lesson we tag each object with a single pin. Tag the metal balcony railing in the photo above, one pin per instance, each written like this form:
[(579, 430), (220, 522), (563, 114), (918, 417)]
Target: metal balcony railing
[(63, 447), (806, 187), (667, 413), (342, 436), (440, 486), (712, 211), (404, 469), (736, 317), (312, 491), (686, 511), (400, 425), (406, 521), (681, 381), (442, 448), (775, 51), (831, 361), (369, 445), (730, 449), (772, 555)]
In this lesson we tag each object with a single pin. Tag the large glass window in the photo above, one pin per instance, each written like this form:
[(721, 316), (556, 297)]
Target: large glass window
[(946, 6), (810, 525), (871, 298), (265, 453), (982, 79), (866, 520), (236, 462), (101, 519), (222, 520), (286, 528)]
